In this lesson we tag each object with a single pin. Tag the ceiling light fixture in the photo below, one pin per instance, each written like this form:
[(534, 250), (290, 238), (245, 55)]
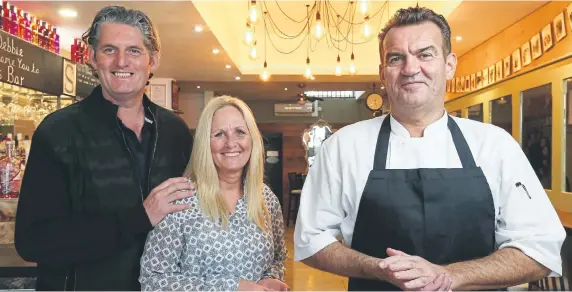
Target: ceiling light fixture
[(459, 38), (198, 28), (237, 78), (68, 13), (285, 88), (198, 86), (216, 51), (227, 66), (319, 25)]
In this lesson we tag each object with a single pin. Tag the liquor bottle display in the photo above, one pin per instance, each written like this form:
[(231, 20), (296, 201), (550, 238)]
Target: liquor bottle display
[(25, 26), (10, 167)]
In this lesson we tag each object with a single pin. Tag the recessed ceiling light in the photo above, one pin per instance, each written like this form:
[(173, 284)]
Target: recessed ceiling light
[(198, 28), (227, 66), (237, 77), (285, 88), (313, 78), (216, 51), (198, 86), (68, 13), (459, 38)]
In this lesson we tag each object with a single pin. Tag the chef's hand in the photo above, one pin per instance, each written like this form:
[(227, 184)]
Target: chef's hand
[(244, 285), (414, 273)]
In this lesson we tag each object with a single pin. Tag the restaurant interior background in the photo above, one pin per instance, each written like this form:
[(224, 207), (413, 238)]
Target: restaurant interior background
[(305, 75)]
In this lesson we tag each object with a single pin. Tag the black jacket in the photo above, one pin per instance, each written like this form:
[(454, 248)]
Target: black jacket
[(80, 214)]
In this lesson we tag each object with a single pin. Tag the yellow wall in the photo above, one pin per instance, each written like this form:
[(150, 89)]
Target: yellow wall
[(553, 67), (503, 44)]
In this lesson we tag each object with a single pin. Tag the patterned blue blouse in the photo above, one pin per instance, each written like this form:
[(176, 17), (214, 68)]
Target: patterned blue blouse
[(188, 251)]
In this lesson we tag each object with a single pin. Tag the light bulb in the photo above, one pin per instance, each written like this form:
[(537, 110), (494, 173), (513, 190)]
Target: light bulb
[(308, 72), (366, 30), (364, 6), (338, 68), (249, 37), (352, 69), (253, 16), (253, 55), (318, 29), (265, 75)]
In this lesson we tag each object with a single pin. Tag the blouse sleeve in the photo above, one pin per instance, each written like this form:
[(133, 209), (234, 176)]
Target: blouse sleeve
[(162, 260), (276, 270)]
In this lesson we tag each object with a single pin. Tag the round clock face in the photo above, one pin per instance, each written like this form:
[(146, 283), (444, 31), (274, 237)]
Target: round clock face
[(374, 101)]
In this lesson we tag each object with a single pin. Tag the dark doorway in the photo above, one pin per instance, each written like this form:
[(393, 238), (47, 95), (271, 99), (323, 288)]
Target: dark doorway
[(273, 162)]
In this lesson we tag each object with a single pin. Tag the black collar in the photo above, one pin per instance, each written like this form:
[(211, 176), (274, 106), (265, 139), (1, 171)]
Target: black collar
[(102, 109)]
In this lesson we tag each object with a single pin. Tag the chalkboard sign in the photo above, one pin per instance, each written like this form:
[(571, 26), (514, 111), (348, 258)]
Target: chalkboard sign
[(86, 82), (29, 66)]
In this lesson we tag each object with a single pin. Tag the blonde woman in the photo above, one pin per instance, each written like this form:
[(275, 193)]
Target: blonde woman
[(232, 236)]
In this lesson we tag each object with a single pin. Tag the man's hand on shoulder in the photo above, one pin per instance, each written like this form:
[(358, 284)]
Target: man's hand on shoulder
[(159, 203)]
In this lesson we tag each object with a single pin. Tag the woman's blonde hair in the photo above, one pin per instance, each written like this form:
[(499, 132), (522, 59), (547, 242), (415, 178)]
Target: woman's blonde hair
[(201, 168)]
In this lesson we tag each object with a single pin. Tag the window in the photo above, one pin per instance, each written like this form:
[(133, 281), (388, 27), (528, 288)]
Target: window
[(537, 131), (476, 112), (501, 113)]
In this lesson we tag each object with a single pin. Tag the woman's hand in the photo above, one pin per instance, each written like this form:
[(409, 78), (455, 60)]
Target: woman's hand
[(244, 285), (273, 284)]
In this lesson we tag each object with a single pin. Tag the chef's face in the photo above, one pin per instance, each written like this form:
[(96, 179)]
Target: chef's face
[(414, 69)]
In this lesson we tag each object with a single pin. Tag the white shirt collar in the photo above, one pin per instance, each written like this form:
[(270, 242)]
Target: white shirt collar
[(437, 127)]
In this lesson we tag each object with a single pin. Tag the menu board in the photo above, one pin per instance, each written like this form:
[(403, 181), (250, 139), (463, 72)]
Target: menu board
[(27, 65), (86, 82)]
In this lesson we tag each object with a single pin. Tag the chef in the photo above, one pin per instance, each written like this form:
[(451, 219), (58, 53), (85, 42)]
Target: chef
[(421, 200)]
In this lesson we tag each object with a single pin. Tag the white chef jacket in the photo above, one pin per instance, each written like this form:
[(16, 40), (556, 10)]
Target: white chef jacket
[(333, 188)]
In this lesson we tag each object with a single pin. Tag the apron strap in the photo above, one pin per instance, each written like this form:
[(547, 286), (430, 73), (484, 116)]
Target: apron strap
[(382, 146), (463, 149)]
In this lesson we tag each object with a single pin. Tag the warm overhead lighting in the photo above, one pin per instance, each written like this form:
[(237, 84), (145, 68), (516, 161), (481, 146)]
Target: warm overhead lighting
[(237, 78), (313, 78), (68, 13), (285, 88), (216, 51), (265, 75), (227, 66), (253, 14), (459, 38), (366, 30), (198, 86), (198, 28)]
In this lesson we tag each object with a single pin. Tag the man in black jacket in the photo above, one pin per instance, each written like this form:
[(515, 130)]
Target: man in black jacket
[(102, 172)]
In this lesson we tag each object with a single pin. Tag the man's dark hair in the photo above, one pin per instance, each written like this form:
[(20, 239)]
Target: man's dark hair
[(417, 15)]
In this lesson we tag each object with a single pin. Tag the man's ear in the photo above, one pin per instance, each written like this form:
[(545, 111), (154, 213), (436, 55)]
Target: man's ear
[(450, 66), (154, 61)]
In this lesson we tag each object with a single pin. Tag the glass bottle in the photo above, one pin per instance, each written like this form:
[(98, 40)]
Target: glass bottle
[(6, 24), (13, 21), (9, 170), (21, 23), (34, 29), (56, 41), (27, 27)]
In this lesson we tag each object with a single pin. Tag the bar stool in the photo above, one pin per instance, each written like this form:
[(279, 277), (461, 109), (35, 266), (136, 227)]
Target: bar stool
[(294, 191)]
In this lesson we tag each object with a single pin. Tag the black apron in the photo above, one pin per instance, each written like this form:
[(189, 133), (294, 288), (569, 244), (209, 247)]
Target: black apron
[(443, 215)]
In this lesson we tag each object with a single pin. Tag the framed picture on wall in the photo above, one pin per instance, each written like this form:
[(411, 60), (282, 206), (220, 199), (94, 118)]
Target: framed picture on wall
[(448, 86), (526, 58), (569, 15), (473, 81), (485, 77), (463, 84), (492, 74), (453, 85), (498, 71), (516, 65), (458, 84), (536, 45), (546, 34), (479, 80), (468, 83), (506, 66), (559, 29)]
